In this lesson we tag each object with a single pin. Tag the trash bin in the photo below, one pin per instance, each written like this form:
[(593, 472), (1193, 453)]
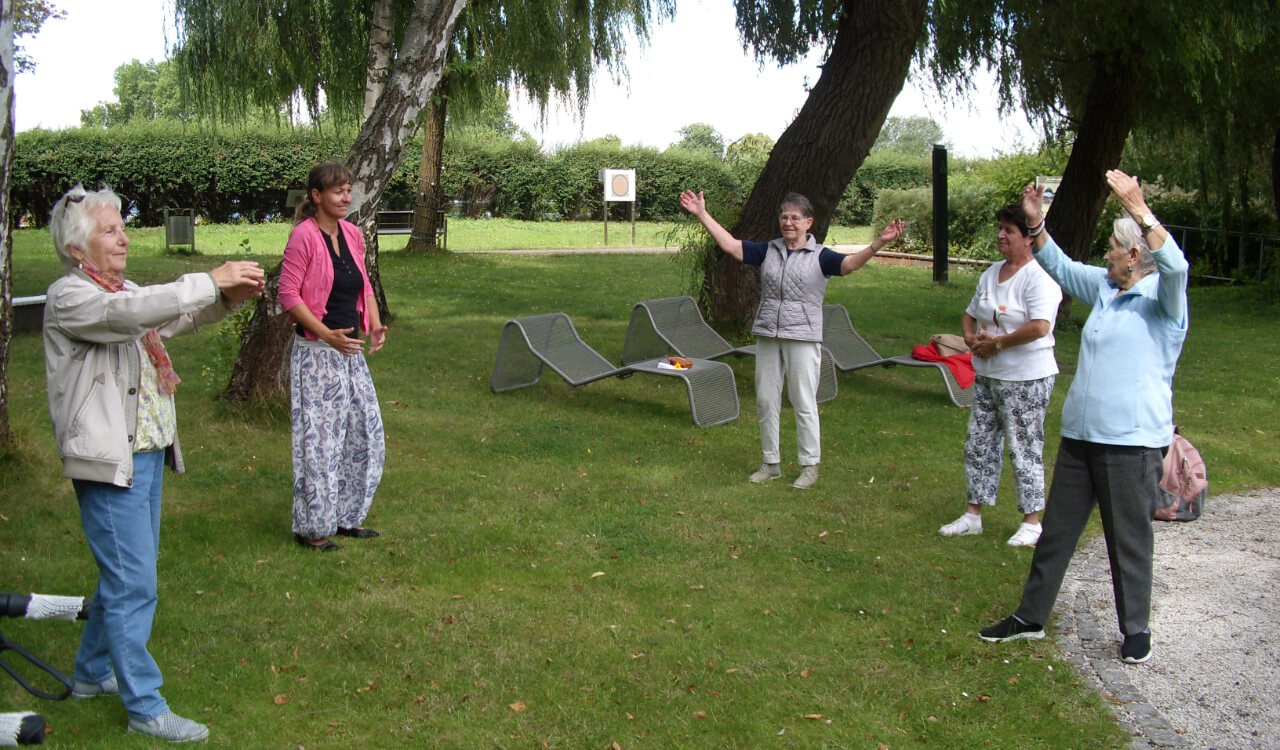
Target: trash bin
[(180, 228)]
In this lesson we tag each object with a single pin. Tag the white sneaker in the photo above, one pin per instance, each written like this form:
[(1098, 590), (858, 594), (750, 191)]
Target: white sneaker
[(1026, 536), (963, 526), (808, 477), (172, 727), (765, 473)]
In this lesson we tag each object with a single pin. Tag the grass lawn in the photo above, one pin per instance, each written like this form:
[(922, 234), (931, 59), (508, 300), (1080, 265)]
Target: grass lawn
[(574, 569)]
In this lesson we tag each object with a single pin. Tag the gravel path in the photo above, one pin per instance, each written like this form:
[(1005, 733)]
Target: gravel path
[(1213, 678)]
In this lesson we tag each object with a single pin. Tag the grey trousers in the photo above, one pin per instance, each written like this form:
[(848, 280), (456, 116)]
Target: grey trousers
[(1121, 481)]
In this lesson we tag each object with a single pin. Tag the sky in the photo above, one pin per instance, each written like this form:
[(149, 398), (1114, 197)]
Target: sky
[(693, 70)]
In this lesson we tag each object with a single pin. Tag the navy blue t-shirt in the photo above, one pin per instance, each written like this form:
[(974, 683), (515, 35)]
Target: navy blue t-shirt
[(753, 254)]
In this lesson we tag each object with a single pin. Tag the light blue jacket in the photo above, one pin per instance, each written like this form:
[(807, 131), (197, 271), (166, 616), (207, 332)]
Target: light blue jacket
[(1122, 393)]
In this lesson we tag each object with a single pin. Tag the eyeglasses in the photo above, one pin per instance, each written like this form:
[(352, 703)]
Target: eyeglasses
[(69, 199), (793, 218)]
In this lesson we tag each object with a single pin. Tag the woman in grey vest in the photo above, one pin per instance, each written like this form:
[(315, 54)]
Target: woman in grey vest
[(794, 270)]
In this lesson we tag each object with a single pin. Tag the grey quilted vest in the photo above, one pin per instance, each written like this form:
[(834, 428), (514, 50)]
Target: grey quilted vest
[(792, 288)]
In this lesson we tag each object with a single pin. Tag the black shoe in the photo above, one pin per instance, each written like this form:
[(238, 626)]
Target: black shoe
[(1136, 648), (325, 546), (1011, 629), (358, 532)]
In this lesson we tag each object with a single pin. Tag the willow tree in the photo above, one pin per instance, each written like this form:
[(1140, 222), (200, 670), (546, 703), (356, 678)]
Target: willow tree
[(871, 47), (547, 50), (1091, 71), (241, 57)]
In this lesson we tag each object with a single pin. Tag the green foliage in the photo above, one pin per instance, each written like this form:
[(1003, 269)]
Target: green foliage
[(144, 91), (911, 136), (747, 157), (701, 138), (882, 170), (223, 175), (975, 190), (29, 16)]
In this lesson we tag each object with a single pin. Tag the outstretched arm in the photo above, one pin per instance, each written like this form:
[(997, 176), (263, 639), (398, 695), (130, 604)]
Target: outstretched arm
[(696, 204), (854, 261)]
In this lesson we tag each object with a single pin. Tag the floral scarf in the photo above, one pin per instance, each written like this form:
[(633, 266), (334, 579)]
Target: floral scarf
[(166, 378)]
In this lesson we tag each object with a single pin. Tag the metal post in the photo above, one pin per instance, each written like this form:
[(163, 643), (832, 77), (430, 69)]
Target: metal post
[(940, 214), (633, 223)]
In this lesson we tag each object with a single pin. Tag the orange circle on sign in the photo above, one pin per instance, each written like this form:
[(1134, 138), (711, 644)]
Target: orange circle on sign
[(621, 184)]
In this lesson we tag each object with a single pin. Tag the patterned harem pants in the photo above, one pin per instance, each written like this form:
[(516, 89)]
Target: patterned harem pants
[(338, 443)]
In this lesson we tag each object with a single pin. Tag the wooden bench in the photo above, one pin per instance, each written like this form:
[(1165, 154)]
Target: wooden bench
[(401, 222)]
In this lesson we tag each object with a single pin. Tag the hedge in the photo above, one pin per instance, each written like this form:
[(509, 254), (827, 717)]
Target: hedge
[(245, 176), (225, 176)]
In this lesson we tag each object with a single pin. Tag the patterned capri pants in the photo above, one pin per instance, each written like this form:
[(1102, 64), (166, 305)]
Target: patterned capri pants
[(1007, 412), (338, 443)]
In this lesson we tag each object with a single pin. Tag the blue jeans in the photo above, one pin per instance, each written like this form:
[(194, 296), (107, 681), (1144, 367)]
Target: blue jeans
[(122, 525)]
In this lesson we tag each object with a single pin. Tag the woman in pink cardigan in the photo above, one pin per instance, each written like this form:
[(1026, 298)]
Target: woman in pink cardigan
[(338, 443)]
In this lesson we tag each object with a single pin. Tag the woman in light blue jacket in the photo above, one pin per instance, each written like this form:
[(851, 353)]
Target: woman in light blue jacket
[(1118, 416)]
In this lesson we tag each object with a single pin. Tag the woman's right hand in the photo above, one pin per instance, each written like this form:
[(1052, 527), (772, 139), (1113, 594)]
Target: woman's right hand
[(340, 339), (238, 280)]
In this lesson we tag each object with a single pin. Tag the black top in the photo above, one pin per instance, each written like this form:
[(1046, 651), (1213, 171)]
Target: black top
[(348, 285)]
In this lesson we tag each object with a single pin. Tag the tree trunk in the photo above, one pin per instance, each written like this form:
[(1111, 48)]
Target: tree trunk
[(378, 62), (426, 205), (264, 373), (375, 156), (6, 233), (1110, 110), (821, 150), (1275, 171)]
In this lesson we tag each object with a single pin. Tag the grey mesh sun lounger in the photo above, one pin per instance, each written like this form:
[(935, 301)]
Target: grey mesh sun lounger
[(529, 344), (675, 324), (852, 352)]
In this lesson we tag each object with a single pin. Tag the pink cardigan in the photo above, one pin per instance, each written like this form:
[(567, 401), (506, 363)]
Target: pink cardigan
[(306, 277)]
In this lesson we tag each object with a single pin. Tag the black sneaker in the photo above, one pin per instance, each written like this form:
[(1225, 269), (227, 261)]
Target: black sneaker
[(1136, 648), (1011, 629)]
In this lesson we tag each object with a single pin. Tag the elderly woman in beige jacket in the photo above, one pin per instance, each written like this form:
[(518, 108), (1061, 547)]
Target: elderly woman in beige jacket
[(111, 387)]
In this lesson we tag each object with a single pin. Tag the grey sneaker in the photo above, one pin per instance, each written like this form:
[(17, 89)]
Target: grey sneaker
[(808, 477), (171, 727), (108, 686), (765, 473)]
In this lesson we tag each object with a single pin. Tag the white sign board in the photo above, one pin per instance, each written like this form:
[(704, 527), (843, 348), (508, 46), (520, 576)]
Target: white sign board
[(1050, 185), (619, 185)]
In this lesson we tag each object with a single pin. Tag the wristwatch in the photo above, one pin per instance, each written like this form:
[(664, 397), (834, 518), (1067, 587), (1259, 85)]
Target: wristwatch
[(1149, 222), (997, 343)]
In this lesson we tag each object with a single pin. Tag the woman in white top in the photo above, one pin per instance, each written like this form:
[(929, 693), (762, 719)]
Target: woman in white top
[(1008, 327)]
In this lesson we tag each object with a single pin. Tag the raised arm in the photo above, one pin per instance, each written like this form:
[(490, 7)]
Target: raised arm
[(1129, 193), (696, 204), (854, 261), (1033, 207)]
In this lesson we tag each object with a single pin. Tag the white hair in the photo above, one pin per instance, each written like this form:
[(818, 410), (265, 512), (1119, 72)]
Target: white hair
[(1128, 234), (71, 223)]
